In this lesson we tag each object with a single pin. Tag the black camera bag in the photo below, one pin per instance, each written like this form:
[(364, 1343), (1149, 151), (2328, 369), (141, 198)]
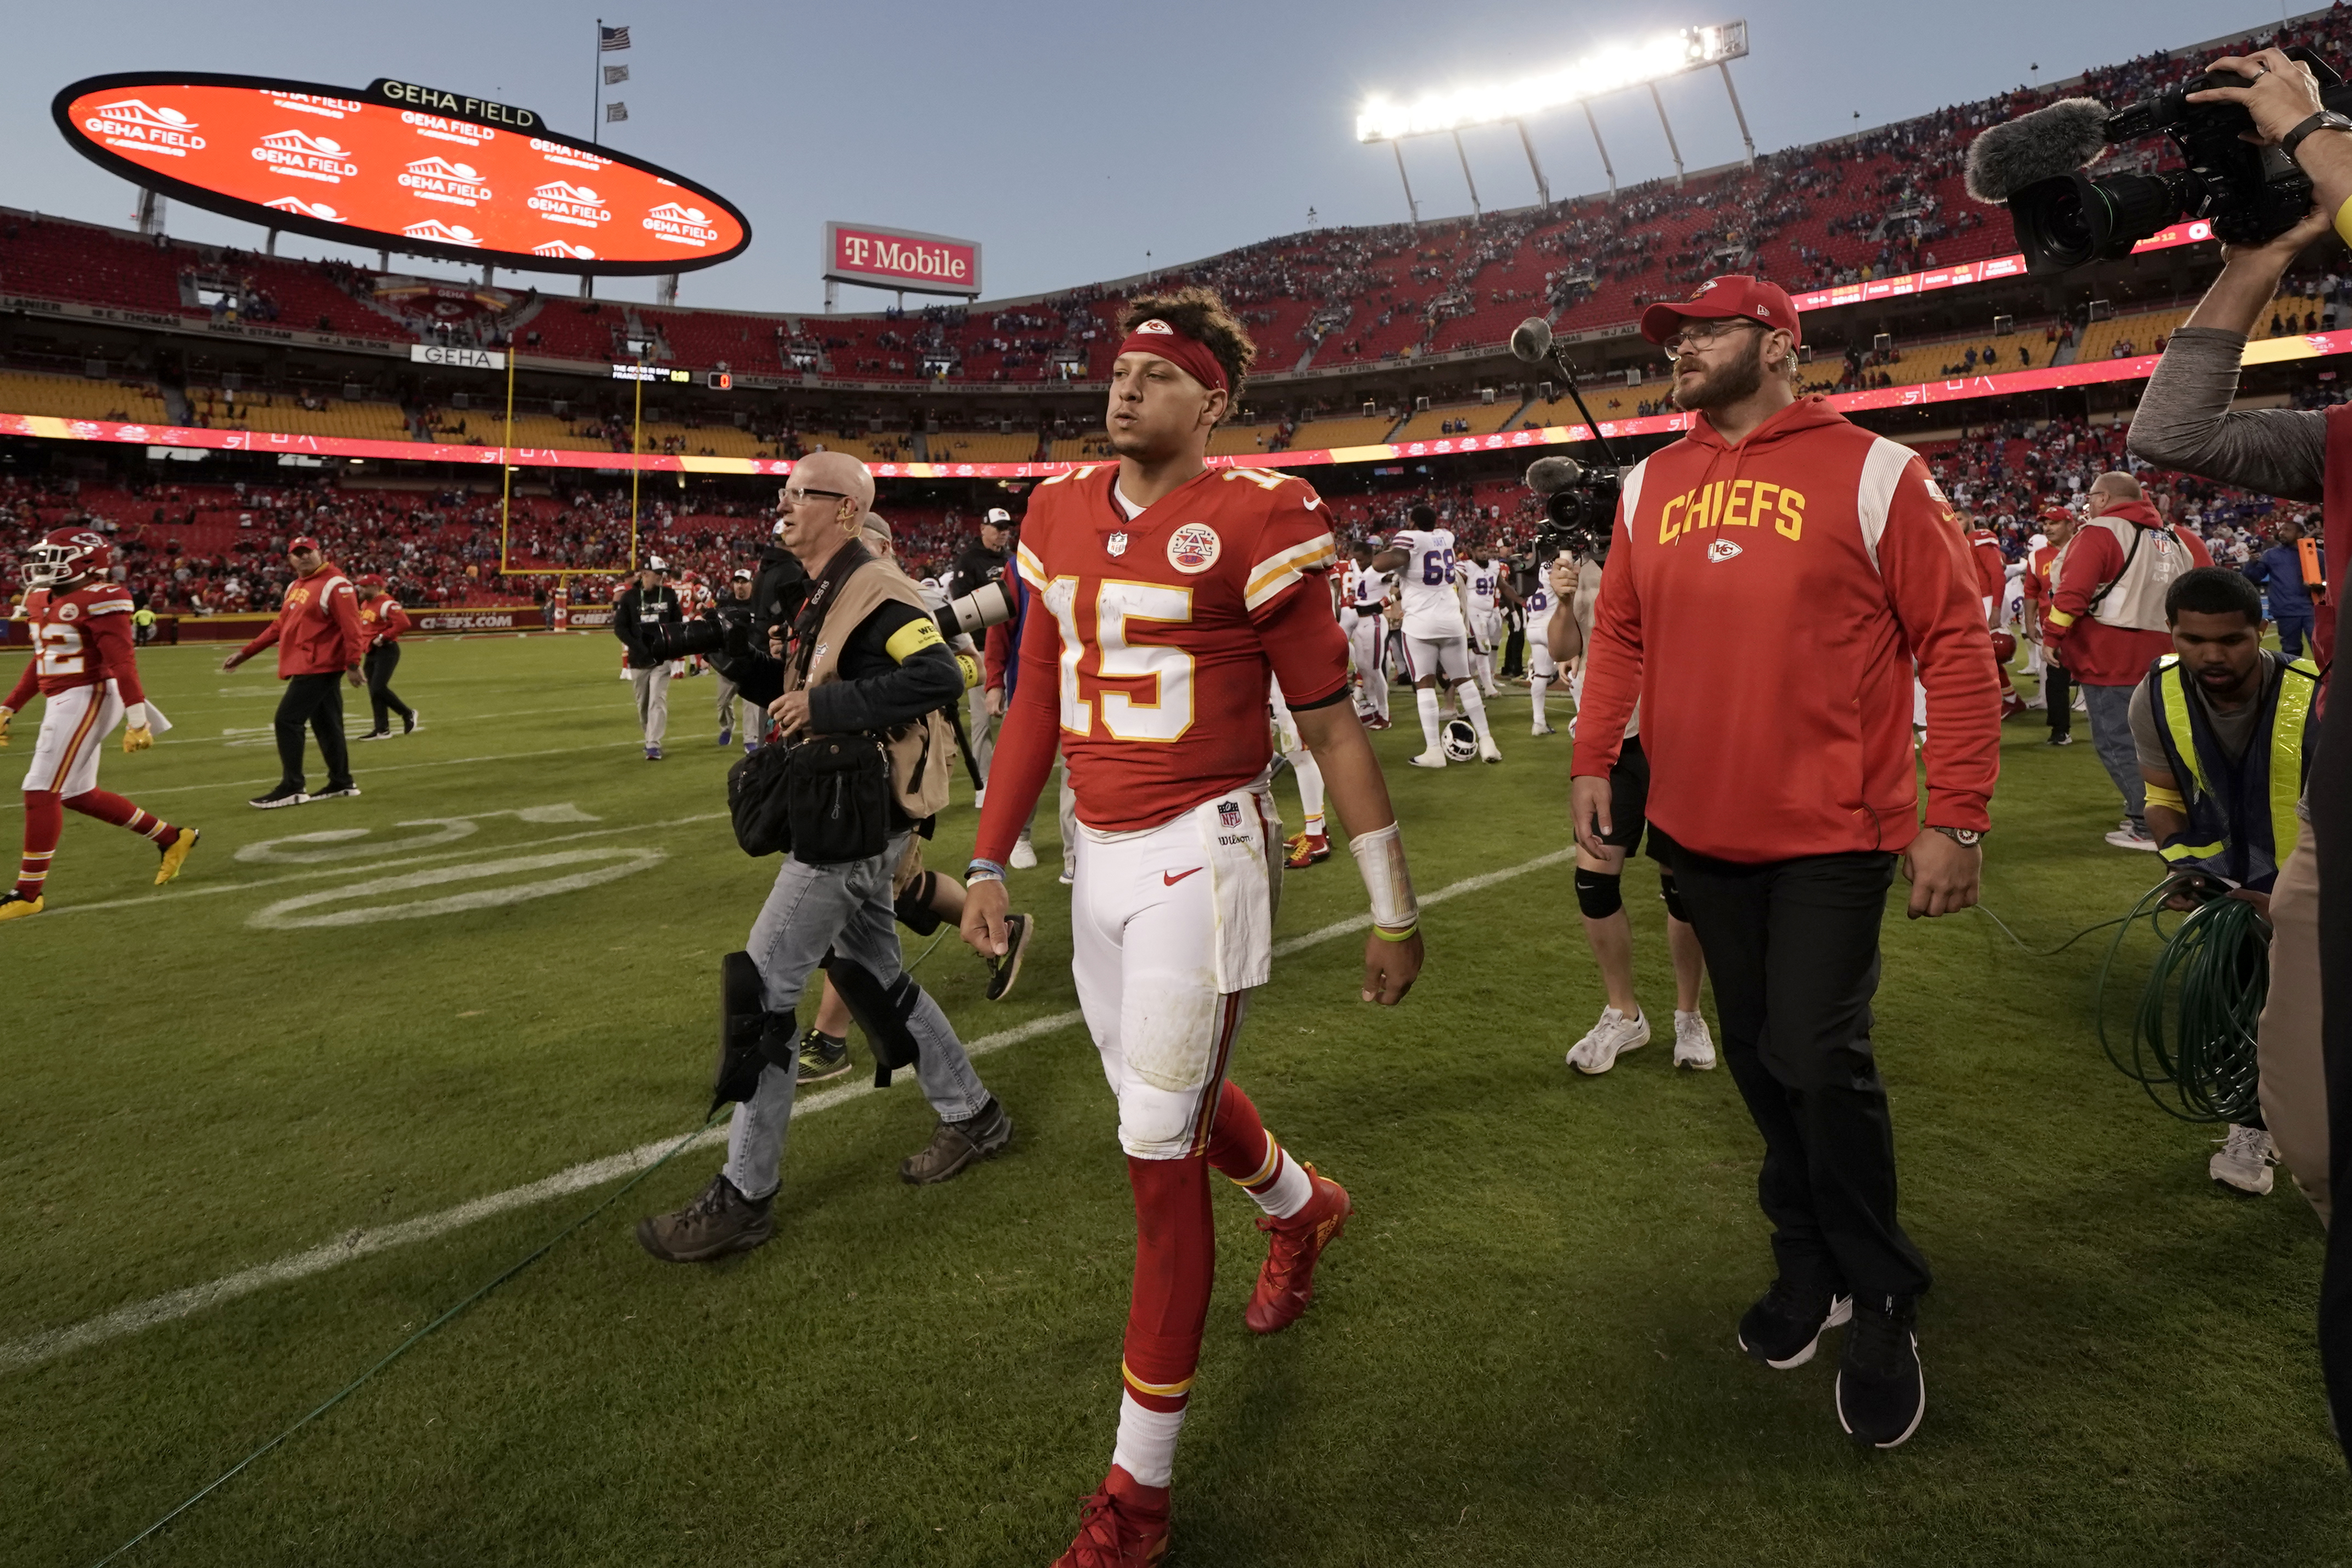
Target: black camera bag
[(837, 794), (758, 798)]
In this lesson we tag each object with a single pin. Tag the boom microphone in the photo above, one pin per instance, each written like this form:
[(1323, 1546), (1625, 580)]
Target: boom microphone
[(1550, 476), (2043, 145), (1531, 340)]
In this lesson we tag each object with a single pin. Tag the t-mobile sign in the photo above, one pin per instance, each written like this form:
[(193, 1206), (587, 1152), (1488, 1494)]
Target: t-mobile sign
[(901, 259)]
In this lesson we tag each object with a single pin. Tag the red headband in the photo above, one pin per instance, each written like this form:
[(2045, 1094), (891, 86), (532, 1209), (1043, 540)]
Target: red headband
[(1188, 355)]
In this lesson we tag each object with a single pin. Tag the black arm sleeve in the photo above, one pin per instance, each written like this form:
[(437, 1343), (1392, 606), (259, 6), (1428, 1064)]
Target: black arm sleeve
[(625, 617), (876, 691)]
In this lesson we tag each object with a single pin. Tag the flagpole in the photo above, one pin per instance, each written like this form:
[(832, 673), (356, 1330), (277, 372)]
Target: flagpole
[(596, 94)]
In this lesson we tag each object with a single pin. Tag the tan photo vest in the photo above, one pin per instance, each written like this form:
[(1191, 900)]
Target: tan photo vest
[(919, 751)]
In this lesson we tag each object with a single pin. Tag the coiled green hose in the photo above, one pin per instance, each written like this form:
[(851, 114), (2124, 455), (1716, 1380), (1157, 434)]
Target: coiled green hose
[(2192, 1030)]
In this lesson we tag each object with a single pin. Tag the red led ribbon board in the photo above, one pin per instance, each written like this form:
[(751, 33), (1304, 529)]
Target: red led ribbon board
[(332, 163)]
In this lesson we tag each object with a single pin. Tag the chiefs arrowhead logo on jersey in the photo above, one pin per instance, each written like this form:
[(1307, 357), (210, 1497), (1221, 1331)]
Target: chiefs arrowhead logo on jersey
[(1116, 544), (1193, 548), (1722, 550)]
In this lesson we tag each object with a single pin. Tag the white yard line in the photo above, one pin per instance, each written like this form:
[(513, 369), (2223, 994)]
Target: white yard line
[(50, 1343), (205, 890), (365, 772)]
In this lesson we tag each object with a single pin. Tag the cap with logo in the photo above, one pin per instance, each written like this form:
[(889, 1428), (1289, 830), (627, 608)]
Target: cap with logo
[(1720, 299), (997, 518), (655, 563), (370, 581), (301, 542), (743, 574)]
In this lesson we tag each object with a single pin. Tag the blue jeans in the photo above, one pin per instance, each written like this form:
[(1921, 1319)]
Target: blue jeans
[(2294, 631), (2111, 736), (846, 908)]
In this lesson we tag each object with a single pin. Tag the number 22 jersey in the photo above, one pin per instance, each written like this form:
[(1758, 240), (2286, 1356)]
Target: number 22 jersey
[(1148, 640)]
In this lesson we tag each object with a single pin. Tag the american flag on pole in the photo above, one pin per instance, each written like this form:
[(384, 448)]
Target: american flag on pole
[(615, 111), (611, 38)]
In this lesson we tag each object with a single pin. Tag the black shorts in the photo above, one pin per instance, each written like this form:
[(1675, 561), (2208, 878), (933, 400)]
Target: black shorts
[(1629, 804)]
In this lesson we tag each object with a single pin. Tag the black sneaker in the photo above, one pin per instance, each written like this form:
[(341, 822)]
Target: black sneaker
[(284, 795), (820, 1057), (1783, 1329), (955, 1144), (376, 735), (2059, 740), (721, 1222), (1881, 1393), (1002, 972), (412, 723), (336, 791)]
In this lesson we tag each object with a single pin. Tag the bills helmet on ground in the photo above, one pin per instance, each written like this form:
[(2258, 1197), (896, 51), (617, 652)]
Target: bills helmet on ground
[(1460, 740), (65, 555)]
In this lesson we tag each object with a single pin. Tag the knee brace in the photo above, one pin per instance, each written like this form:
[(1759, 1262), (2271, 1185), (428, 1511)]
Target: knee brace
[(1599, 894), (1673, 895), (913, 907), (751, 1038), (881, 1010)]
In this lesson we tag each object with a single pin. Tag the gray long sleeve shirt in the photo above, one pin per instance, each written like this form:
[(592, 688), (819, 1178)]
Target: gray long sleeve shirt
[(2184, 421)]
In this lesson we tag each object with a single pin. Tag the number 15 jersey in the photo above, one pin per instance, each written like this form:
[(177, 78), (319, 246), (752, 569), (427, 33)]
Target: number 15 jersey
[(1154, 634)]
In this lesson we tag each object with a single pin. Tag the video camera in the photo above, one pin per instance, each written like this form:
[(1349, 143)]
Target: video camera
[(2065, 219), (1579, 501), (725, 630)]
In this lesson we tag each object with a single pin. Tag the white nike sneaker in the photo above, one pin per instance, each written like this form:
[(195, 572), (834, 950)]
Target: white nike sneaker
[(1543, 729), (1694, 1046), (2244, 1161), (1610, 1039), (1024, 854), (1488, 751), (1429, 759)]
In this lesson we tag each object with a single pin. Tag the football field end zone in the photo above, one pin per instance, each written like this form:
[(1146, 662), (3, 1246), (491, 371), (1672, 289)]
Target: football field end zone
[(51, 1343)]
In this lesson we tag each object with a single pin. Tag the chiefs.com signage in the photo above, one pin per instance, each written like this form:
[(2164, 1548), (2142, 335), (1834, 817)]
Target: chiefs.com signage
[(400, 167), (901, 259)]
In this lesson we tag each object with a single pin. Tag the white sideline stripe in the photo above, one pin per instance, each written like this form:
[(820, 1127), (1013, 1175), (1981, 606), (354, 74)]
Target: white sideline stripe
[(51, 1343), (406, 767), (362, 722), (158, 901)]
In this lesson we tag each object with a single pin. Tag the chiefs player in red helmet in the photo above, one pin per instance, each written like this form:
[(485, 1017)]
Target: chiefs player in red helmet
[(1161, 594), (85, 670)]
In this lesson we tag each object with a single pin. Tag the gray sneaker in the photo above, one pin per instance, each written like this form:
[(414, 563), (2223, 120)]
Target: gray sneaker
[(822, 1059), (721, 1222), (955, 1144), (1002, 972)]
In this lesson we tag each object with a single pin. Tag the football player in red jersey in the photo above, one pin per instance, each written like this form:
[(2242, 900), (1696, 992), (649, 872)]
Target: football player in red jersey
[(84, 668), (1169, 591)]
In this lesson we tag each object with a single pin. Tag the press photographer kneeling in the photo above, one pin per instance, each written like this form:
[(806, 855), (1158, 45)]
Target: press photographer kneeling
[(862, 767)]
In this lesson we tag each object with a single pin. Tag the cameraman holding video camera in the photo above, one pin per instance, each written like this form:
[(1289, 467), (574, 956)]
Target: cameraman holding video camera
[(866, 672), (2184, 422)]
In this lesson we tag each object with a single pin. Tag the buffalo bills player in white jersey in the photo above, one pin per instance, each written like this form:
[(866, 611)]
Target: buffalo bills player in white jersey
[(1436, 639), (1363, 592), (1542, 669), (1481, 582)]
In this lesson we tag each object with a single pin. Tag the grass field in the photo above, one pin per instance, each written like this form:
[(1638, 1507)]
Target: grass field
[(1522, 1351)]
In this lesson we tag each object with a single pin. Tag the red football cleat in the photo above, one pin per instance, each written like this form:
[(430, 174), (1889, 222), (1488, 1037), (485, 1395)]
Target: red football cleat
[(1285, 1284), (1123, 1525), (1376, 723), (1301, 850)]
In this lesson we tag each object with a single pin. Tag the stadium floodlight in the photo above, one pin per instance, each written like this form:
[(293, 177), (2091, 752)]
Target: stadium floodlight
[(1607, 71)]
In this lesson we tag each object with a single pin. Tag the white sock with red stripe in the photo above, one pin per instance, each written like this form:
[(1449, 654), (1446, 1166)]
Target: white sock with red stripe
[(1311, 790)]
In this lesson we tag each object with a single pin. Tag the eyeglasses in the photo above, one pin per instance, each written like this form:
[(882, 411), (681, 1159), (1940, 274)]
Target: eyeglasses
[(1703, 334), (794, 499)]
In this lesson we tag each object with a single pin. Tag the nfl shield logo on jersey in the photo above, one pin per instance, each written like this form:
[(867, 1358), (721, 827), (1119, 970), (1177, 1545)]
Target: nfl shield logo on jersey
[(1461, 742), (1117, 542), (1229, 812)]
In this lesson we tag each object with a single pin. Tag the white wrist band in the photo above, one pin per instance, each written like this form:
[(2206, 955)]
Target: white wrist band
[(1380, 856)]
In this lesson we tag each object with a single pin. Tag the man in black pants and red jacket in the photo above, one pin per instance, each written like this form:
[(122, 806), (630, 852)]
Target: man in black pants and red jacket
[(1774, 575), (383, 620), (318, 637)]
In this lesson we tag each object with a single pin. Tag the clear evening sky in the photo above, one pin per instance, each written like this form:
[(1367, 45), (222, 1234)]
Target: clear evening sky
[(1072, 141)]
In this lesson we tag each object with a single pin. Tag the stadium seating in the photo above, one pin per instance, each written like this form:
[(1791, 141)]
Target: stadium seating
[(1468, 419), (362, 421), (980, 447), (74, 397)]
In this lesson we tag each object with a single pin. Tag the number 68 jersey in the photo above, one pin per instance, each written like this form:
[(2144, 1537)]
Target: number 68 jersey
[(1156, 632)]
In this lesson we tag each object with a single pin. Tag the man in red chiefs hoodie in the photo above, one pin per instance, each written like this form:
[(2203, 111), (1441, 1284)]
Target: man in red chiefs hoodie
[(319, 637), (1775, 575), (2105, 621)]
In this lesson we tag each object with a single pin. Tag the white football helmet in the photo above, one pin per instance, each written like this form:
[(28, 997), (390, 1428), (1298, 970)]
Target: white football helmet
[(1460, 740)]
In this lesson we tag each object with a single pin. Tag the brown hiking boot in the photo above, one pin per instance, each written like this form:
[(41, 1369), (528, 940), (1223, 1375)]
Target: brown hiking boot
[(955, 1144), (721, 1222)]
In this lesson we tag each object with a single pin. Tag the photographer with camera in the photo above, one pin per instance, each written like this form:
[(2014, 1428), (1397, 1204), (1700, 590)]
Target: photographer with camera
[(1772, 578), (989, 561), (2184, 421), (863, 763), (735, 607)]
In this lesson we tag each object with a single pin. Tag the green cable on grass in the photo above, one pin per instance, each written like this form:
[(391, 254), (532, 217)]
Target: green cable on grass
[(2193, 1027), (541, 1250)]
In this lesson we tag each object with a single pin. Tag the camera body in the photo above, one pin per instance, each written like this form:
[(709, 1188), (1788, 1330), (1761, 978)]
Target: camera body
[(1579, 507), (2250, 193)]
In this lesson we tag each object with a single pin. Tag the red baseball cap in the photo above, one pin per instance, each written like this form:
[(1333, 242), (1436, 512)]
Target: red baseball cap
[(1734, 294), (302, 541)]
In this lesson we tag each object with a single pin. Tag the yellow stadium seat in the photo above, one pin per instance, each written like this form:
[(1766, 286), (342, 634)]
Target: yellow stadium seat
[(75, 397)]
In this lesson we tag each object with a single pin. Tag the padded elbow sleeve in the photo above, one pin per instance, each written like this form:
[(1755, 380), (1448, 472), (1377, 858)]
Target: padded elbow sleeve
[(1599, 894)]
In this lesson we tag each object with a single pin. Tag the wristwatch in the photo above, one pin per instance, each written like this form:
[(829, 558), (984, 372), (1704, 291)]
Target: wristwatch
[(1966, 837), (2325, 120)]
